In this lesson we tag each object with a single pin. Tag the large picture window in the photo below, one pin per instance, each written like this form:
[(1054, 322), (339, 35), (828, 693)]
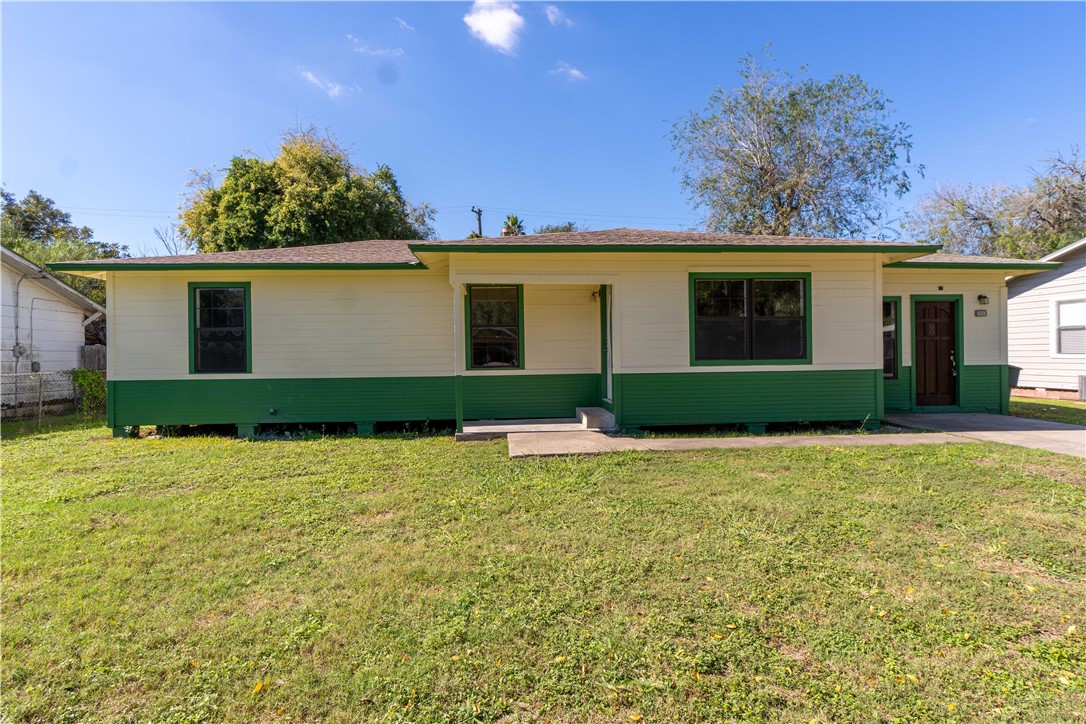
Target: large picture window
[(740, 318), (495, 327), (219, 327)]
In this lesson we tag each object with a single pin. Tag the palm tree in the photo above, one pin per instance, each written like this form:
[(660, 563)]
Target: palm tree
[(513, 226)]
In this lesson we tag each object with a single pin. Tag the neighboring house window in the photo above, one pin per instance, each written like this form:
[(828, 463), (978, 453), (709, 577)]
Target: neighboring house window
[(1071, 326), (220, 327), (739, 318), (889, 339), (495, 327)]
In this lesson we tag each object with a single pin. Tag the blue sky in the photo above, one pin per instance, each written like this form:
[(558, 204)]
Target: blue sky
[(554, 111)]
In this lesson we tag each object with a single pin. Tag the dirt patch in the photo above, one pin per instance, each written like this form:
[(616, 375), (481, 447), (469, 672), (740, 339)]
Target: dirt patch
[(1058, 474), (1022, 568), (373, 518)]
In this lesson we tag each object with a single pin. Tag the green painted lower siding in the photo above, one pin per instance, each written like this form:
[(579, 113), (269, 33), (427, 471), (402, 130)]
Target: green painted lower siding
[(370, 399), (495, 397), (899, 392), (699, 398), (249, 401), (982, 388)]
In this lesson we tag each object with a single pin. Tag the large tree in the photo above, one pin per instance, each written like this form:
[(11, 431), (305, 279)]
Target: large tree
[(1023, 222), (791, 156), (36, 229), (310, 193)]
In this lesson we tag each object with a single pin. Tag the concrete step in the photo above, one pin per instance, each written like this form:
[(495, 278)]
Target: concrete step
[(595, 418), (491, 429)]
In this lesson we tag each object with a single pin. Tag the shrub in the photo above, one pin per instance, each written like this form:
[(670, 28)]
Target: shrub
[(92, 389)]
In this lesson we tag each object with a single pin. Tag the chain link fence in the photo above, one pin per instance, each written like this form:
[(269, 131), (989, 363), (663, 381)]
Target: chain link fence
[(44, 397)]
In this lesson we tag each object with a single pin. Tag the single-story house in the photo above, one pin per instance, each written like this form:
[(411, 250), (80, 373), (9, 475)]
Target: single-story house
[(1046, 324), (42, 329), (44, 319), (659, 327)]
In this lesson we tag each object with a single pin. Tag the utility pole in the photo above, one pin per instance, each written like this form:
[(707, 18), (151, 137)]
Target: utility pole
[(479, 218)]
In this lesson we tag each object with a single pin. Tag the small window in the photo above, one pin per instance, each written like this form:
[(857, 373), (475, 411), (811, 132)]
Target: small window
[(889, 340), (737, 319), (494, 327), (1071, 327), (220, 328)]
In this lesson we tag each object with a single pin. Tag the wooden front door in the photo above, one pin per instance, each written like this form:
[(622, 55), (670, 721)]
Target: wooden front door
[(936, 368)]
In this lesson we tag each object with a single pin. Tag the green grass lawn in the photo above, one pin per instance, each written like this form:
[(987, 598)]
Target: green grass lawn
[(417, 579), (1068, 411)]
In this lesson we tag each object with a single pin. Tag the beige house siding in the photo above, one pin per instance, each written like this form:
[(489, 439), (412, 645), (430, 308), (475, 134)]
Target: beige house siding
[(341, 324), (1030, 325), (985, 340), (651, 300), (304, 324)]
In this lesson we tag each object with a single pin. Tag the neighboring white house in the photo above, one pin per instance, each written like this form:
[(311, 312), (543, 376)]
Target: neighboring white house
[(43, 319), (1046, 324)]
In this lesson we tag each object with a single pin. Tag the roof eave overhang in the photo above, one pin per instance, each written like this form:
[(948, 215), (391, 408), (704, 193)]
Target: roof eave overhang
[(1023, 267), (97, 269), (909, 249)]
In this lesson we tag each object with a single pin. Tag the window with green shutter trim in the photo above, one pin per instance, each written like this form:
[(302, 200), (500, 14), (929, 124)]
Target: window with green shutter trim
[(219, 327), (750, 318), (495, 327)]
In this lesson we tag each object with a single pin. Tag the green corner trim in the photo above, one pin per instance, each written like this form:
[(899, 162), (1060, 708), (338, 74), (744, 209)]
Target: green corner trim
[(807, 311), (193, 286)]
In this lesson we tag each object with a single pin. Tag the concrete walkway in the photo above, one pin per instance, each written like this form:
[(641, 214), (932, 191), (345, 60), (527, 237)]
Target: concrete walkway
[(1038, 434), (586, 442)]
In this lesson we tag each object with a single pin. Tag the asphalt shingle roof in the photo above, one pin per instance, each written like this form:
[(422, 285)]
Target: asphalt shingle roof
[(402, 253)]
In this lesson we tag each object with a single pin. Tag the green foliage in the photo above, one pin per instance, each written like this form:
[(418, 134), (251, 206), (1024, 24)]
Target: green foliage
[(788, 156), (475, 235), (310, 193), (513, 226), (1018, 222), (559, 228), (37, 230), (417, 579), (92, 389)]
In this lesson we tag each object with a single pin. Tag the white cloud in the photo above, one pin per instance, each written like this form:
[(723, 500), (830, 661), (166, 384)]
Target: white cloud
[(568, 72), (557, 17), (333, 89), (360, 47), (497, 23), (403, 24)]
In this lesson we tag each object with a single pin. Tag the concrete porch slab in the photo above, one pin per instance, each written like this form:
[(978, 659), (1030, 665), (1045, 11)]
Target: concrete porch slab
[(588, 442), (1055, 437), (491, 429)]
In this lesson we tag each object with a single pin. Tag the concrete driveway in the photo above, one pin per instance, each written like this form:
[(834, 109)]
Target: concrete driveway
[(1039, 434)]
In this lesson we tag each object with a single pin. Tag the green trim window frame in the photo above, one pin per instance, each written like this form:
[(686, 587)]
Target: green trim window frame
[(891, 338), (494, 326), (735, 305), (216, 319)]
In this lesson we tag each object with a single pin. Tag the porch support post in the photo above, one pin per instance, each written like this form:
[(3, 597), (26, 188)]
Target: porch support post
[(876, 329), (1004, 353), (459, 343)]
